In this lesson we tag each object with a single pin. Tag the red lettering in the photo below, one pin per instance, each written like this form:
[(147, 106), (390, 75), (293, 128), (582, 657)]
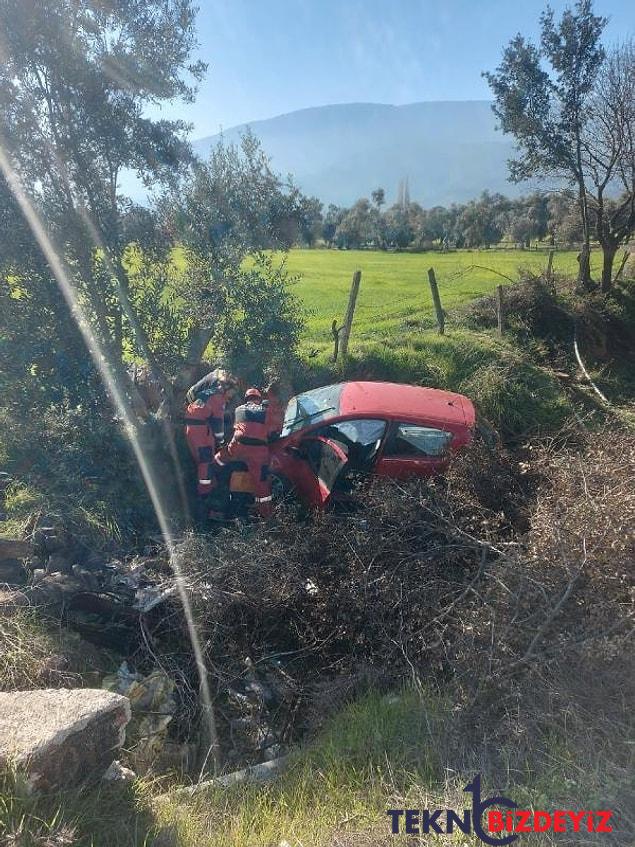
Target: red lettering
[(559, 821), (576, 819), (545, 817), (603, 824), (522, 821), (509, 822), (589, 822), (495, 821)]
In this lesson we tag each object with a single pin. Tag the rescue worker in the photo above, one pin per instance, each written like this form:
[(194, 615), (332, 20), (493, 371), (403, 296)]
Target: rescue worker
[(275, 410), (250, 445), (205, 425)]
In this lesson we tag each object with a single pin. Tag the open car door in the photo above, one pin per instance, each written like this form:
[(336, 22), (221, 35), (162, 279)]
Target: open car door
[(320, 463)]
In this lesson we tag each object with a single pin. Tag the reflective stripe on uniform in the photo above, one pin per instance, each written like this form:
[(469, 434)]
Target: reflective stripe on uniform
[(205, 482), (218, 462), (219, 434), (264, 499)]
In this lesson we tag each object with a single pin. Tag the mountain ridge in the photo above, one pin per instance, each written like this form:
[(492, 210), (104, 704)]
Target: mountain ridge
[(450, 150)]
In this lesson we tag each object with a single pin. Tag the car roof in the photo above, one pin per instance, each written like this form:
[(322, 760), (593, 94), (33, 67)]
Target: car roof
[(405, 402)]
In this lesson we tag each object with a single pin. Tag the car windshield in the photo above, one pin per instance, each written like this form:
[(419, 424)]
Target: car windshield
[(311, 407)]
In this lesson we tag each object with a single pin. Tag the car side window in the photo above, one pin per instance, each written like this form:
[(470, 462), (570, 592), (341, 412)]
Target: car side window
[(414, 440)]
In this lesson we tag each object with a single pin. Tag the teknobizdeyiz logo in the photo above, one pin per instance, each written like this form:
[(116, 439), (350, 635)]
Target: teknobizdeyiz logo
[(503, 816)]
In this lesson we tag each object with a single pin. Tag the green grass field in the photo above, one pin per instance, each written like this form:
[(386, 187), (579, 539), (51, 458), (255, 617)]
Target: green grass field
[(394, 289), (395, 337)]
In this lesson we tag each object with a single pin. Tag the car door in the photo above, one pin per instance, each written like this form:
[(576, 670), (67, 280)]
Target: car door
[(360, 438), (315, 466), (414, 449)]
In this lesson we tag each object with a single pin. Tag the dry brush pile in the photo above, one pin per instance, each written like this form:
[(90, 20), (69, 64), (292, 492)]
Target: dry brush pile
[(508, 586)]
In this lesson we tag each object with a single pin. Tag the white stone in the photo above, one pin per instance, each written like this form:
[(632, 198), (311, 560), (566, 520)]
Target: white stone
[(61, 737)]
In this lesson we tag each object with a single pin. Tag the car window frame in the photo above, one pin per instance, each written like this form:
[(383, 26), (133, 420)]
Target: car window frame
[(391, 435)]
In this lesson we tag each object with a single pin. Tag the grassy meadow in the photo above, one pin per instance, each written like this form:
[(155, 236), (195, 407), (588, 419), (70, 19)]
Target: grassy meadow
[(394, 291), (394, 334)]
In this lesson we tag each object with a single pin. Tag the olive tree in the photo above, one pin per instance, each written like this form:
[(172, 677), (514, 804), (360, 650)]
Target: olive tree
[(223, 213), (76, 79), (608, 148), (543, 96)]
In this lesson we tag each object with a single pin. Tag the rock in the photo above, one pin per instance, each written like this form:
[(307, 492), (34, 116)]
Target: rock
[(50, 539), (61, 737), (12, 572), (58, 563), (118, 773), (14, 548), (11, 600)]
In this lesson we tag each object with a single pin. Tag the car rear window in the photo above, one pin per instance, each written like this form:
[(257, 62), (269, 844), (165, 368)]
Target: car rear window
[(312, 407)]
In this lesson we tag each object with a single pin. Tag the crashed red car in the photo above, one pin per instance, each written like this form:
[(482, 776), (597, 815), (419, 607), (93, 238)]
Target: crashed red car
[(382, 428)]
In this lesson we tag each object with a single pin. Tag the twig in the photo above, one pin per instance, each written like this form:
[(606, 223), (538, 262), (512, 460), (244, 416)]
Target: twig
[(463, 594), (584, 370), (529, 652)]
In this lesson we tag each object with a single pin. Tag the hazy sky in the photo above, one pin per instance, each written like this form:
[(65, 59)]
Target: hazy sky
[(267, 57)]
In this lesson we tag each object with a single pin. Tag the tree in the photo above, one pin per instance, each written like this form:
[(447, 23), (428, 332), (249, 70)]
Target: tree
[(378, 196), (225, 209), (527, 218), (359, 226), (38, 335), (75, 83), (564, 223), (309, 211), (548, 110), (438, 224), (483, 222), (260, 322), (399, 230), (332, 219), (608, 152)]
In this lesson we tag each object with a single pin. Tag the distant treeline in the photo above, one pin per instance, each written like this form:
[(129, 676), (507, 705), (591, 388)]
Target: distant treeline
[(484, 222)]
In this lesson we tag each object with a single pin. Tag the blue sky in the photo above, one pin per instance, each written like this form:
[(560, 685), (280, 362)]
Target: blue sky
[(267, 57)]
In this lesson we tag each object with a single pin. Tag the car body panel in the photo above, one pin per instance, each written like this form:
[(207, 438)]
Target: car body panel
[(416, 418)]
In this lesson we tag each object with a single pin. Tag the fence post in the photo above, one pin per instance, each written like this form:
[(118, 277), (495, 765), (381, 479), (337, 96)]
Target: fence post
[(345, 330), (550, 265), (500, 309), (436, 299)]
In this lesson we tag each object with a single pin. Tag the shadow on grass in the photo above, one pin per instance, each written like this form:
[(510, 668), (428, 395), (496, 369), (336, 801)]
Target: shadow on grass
[(106, 815)]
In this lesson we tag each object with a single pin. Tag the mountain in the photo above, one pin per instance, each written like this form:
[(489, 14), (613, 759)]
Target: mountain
[(449, 151)]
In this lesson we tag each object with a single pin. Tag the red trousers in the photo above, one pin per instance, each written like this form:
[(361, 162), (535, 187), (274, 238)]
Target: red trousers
[(256, 457), (200, 439)]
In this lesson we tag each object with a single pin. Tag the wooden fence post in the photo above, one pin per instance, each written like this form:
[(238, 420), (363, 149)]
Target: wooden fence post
[(345, 330), (500, 309), (436, 299), (550, 265)]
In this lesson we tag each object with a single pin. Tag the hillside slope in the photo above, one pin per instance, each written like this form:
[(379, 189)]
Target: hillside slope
[(450, 151)]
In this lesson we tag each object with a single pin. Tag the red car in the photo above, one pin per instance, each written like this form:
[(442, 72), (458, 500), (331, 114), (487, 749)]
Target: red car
[(383, 428)]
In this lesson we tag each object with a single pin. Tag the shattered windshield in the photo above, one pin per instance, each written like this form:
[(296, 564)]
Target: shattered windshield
[(311, 407)]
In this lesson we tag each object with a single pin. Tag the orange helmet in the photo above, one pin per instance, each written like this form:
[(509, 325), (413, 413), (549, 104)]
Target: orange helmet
[(253, 394)]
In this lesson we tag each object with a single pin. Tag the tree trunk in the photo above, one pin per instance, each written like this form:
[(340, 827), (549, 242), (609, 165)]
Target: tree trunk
[(584, 270), (607, 267)]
